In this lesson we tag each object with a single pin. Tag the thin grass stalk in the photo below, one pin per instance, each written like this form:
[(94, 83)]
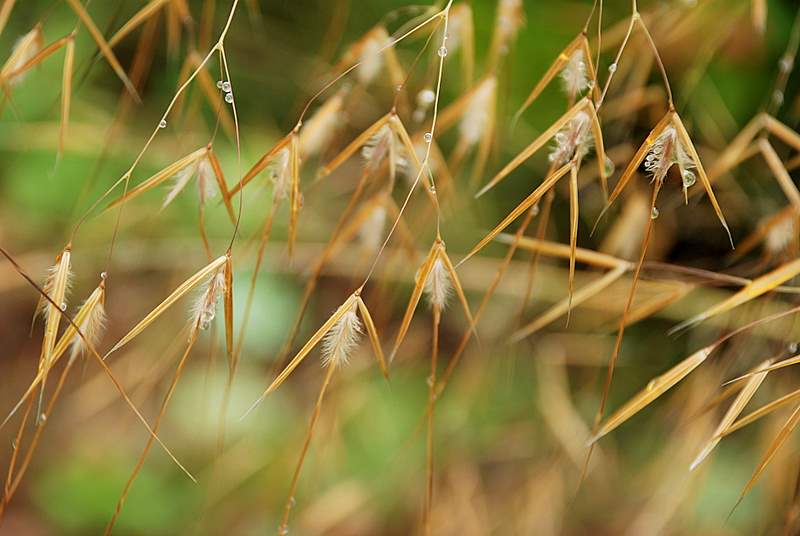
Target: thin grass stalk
[(283, 529), (431, 407), (156, 425)]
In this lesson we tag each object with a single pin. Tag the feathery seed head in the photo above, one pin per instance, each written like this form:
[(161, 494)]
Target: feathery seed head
[(574, 140), (93, 325), (280, 174), (207, 187), (509, 21), (342, 339), (438, 286), (574, 77), (205, 307), (383, 144), (666, 151), (25, 49)]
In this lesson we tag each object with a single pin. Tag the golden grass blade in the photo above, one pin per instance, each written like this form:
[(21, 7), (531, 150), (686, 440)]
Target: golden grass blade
[(753, 290), (562, 307), (531, 200), (305, 350), (599, 149), (788, 362), (228, 306), (732, 155), (170, 300), (733, 412), (66, 93), (160, 177), (779, 440), (354, 146), (780, 130), (534, 146), (223, 187), (416, 294), (779, 171), (558, 64), (5, 12), (147, 11), (102, 44), (459, 290), (295, 200), (373, 336), (261, 165), (554, 249), (766, 409), (654, 389), (58, 283), (701, 172), (573, 233)]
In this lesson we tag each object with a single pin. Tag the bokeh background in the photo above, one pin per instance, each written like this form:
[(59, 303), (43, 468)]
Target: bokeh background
[(512, 425)]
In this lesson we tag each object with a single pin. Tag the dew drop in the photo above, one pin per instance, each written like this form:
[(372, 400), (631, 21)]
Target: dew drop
[(229, 98), (162, 123), (426, 97), (428, 137), (612, 68), (442, 52), (63, 306), (219, 84), (689, 178), (608, 167), (103, 275), (226, 86), (654, 213), (42, 417)]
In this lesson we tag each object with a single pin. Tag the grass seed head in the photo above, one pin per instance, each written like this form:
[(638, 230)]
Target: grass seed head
[(574, 76), (574, 140), (342, 339), (438, 286), (478, 114), (205, 307)]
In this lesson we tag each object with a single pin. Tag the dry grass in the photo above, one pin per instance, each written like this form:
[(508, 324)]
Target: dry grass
[(388, 154)]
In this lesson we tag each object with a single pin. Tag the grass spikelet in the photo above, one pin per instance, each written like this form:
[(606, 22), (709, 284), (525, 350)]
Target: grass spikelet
[(320, 128), (182, 169), (654, 389), (91, 319), (56, 287), (575, 69), (510, 19), (437, 257), (169, 301), (343, 337), (437, 285), (751, 291), (733, 412), (583, 107), (25, 49)]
